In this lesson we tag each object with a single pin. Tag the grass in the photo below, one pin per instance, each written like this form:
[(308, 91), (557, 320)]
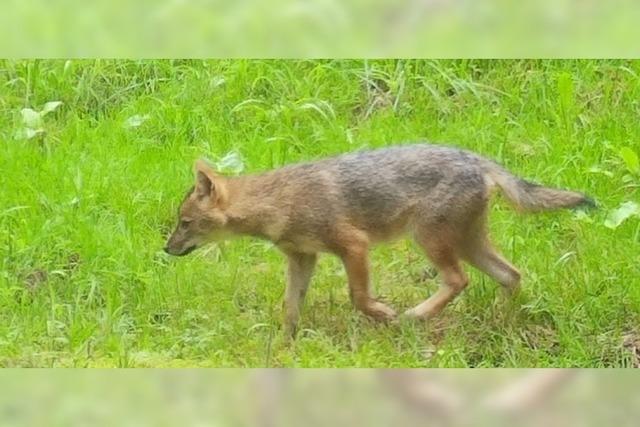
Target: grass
[(87, 201)]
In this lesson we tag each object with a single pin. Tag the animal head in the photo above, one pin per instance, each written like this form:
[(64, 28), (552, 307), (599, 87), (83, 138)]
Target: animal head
[(201, 218)]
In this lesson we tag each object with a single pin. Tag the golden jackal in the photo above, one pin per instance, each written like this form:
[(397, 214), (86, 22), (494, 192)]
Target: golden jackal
[(345, 204)]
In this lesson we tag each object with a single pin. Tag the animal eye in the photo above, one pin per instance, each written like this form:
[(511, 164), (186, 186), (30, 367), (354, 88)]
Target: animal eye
[(185, 223)]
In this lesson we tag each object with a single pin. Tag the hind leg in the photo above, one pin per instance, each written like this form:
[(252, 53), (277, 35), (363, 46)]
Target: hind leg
[(441, 250), (480, 253)]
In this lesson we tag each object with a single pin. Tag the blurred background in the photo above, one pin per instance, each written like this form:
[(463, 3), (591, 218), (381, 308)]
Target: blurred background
[(319, 397), (320, 28)]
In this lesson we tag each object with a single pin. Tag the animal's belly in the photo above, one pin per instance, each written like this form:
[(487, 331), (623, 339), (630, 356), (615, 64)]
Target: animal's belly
[(302, 244)]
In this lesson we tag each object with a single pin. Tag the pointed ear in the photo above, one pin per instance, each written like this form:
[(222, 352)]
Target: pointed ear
[(205, 179), (208, 182)]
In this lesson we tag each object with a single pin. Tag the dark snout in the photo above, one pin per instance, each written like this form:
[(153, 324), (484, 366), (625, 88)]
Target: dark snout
[(183, 252)]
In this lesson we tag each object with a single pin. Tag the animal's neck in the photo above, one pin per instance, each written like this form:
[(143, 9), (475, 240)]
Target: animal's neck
[(247, 214)]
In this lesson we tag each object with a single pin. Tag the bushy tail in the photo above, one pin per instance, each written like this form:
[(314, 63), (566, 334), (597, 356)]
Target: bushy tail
[(531, 197)]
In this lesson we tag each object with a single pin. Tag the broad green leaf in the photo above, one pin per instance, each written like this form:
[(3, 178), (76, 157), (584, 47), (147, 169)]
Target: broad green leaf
[(31, 133), (231, 162), (630, 159), (596, 169), (621, 214), (28, 133), (49, 107), (135, 121), (217, 81), (583, 217), (31, 118)]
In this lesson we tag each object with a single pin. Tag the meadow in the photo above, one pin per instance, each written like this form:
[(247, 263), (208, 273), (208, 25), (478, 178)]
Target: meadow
[(95, 157)]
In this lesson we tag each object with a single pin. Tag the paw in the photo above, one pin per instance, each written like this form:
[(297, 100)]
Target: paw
[(289, 331), (379, 311), (511, 291), (417, 313), (412, 313)]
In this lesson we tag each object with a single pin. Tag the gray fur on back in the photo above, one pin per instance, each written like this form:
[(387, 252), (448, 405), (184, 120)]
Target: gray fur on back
[(380, 180), (377, 187)]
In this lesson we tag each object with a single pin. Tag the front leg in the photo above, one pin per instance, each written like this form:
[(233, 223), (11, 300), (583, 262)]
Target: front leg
[(298, 277)]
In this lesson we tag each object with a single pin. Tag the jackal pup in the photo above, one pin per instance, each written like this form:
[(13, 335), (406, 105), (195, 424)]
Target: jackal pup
[(345, 204)]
